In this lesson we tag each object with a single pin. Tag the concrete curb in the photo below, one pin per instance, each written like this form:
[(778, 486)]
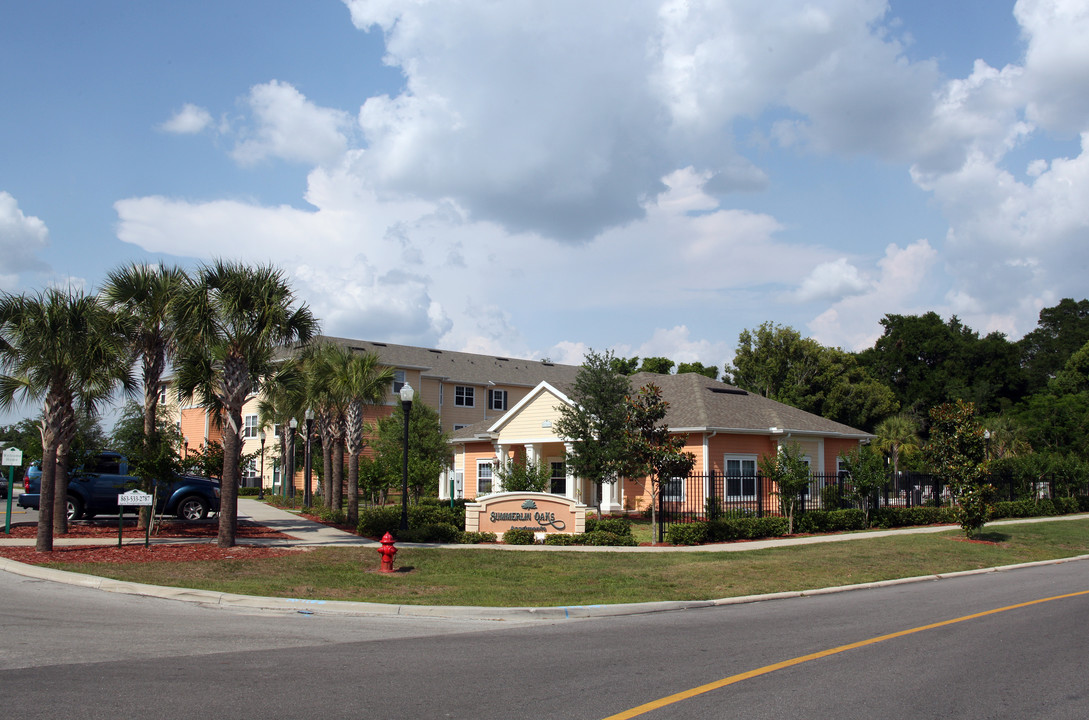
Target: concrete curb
[(365, 609)]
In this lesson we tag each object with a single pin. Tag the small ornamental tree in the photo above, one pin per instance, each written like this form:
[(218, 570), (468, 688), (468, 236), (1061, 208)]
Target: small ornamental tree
[(595, 424), (956, 451), (866, 468), (429, 452), (520, 475), (790, 474), (653, 452)]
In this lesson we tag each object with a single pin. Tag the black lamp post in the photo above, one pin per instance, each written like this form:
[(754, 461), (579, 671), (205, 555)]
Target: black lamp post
[(289, 474), (306, 470), (406, 407), (261, 479)]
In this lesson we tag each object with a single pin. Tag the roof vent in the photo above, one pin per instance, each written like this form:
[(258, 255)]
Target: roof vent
[(727, 391), (378, 344)]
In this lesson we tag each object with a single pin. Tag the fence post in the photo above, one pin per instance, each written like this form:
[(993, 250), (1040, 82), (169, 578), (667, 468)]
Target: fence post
[(759, 495)]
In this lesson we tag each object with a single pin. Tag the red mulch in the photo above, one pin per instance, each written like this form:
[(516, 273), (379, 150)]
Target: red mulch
[(179, 552), (130, 552), (107, 528)]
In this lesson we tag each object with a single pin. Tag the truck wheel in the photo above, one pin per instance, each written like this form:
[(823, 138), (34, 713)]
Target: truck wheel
[(192, 508), (75, 508)]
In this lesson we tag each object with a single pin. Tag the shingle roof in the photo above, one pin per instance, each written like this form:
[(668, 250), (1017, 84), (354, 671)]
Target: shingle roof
[(462, 367), (698, 403)]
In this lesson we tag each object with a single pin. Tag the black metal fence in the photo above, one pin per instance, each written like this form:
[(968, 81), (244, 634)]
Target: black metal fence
[(703, 496)]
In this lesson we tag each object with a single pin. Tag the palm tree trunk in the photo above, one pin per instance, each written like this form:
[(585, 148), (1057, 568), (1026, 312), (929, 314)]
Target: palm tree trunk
[(228, 485), (338, 473), (44, 541), (353, 489)]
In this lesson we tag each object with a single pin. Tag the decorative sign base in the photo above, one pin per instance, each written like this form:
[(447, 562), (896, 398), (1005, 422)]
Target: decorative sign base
[(536, 512)]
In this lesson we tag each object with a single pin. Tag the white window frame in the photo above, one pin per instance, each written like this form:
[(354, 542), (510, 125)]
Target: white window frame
[(552, 463), (481, 465), (741, 458), (464, 396), (497, 400), (249, 472), (398, 381), (249, 426)]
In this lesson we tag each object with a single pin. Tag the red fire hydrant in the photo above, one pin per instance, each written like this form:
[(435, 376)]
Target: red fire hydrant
[(387, 551)]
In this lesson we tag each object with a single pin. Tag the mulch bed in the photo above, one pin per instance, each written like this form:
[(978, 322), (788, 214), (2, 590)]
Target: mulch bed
[(134, 551), (175, 552), (107, 528)]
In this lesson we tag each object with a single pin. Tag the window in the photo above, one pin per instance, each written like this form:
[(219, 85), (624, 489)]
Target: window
[(163, 393), (459, 426), (398, 381), (559, 477), (249, 473), (673, 490), (483, 477), (276, 472), (464, 396), (497, 399), (249, 429), (741, 477)]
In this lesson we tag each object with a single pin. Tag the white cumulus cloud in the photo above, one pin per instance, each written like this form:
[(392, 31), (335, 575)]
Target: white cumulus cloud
[(290, 127), (190, 120)]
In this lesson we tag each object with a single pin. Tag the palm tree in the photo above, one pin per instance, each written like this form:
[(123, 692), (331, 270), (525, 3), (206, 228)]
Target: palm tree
[(231, 319), (283, 397), (67, 349), (896, 435), (145, 294), (320, 362), (356, 380)]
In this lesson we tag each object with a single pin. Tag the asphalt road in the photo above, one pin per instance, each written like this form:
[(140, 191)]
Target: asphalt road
[(66, 650)]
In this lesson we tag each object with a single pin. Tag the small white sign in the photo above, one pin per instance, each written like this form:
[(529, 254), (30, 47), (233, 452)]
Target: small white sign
[(13, 457), (134, 497)]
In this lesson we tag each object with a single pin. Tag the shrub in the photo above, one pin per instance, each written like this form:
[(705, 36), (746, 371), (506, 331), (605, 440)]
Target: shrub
[(694, 533), (824, 521), (615, 525), (517, 536), (475, 538), (248, 492), (433, 533), (376, 522), (561, 539)]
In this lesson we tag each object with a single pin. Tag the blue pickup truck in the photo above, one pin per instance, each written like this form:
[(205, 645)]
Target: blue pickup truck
[(93, 490)]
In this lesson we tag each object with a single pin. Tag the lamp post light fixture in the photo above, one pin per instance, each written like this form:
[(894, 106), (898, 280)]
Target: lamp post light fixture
[(261, 478), (406, 407), (306, 470), (289, 471)]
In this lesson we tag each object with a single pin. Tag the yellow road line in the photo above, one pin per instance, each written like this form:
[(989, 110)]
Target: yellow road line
[(693, 692)]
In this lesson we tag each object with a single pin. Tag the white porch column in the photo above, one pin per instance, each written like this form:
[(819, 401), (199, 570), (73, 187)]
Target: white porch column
[(500, 459), (533, 453), (610, 497), (570, 481)]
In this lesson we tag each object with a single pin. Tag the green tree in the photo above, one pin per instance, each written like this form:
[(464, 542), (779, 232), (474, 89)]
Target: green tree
[(1060, 332), (356, 381), (653, 452), (789, 473), (320, 361), (231, 319), (144, 293), (778, 363), (429, 451), (68, 351), (698, 367), (657, 365), (595, 423), (1074, 375), (623, 366), (520, 475), (956, 451), (865, 467)]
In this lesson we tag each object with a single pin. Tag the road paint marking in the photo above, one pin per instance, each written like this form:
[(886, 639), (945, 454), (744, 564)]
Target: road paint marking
[(700, 690)]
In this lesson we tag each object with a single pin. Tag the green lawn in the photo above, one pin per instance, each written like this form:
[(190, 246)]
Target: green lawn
[(492, 577)]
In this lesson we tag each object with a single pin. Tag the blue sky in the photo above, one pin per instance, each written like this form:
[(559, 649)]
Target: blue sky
[(536, 179)]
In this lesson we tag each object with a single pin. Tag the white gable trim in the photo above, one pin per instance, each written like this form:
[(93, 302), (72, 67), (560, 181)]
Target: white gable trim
[(541, 388)]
